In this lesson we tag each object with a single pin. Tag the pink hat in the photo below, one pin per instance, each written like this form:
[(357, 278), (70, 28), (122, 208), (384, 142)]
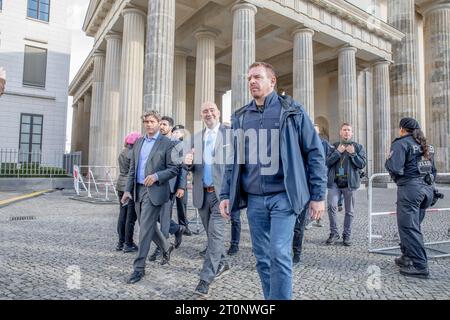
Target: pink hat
[(132, 137)]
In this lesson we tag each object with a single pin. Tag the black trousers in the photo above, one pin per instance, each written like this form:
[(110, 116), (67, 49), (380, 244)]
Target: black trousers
[(182, 209), (126, 221), (299, 231)]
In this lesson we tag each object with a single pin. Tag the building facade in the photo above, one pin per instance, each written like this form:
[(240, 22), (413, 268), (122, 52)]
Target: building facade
[(35, 53), (369, 67)]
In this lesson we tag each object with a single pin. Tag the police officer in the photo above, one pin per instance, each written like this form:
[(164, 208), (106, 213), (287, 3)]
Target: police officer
[(411, 166)]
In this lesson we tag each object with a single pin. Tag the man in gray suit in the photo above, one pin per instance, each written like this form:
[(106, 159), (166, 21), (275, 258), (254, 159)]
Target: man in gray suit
[(208, 170), (151, 168)]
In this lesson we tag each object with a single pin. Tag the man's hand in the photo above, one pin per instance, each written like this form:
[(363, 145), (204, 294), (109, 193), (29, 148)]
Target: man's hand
[(150, 180), (125, 197), (341, 148), (316, 209), (350, 149), (179, 193), (189, 158), (224, 208)]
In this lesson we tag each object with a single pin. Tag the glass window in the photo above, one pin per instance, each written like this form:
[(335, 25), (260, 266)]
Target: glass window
[(30, 137), (39, 9), (1, 4), (35, 66)]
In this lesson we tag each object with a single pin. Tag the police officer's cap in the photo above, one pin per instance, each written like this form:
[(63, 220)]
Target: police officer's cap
[(177, 127), (409, 123)]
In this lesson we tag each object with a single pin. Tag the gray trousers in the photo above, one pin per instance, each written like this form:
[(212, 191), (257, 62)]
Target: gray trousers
[(147, 215), (214, 224), (349, 201)]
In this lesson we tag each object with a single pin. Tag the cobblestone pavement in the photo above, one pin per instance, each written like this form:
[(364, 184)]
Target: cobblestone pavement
[(67, 252)]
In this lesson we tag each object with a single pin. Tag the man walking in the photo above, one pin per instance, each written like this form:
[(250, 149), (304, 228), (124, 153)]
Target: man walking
[(274, 143)]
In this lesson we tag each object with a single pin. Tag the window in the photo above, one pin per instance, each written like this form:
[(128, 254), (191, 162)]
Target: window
[(30, 139), (39, 9), (34, 66), (1, 5)]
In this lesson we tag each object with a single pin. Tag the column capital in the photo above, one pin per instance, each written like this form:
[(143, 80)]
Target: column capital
[(381, 62), (183, 52), (302, 29), (206, 32), (239, 5), (434, 7), (133, 9), (113, 36), (347, 48), (98, 53)]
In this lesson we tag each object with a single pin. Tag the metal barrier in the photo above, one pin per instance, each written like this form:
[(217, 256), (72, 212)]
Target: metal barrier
[(103, 183), (372, 214)]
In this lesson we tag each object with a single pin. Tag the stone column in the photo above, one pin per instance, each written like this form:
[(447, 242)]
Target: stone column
[(131, 73), (437, 79), (404, 71), (96, 107), (86, 128), (80, 125), (109, 123), (381, 114), (179, 86), (205, 66), (303, 73), (243, 53), (159, 56), (347, 87), (218, 100), (73, 140)]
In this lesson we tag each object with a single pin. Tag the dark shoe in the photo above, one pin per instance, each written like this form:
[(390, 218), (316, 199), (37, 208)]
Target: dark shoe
[(203, 253), (222, 270), (332, 238), (296, 258), (202, 288), (166, 255), (187, 231), (233, 250), (155, 254), (403, 261), (318, 223), (119, 246), (179, 236), (412, 271), (135, 277), (130, 248), (340, 208), (346, 241)]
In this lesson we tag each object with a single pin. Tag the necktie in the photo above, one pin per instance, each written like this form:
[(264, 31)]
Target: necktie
[(208, 158)]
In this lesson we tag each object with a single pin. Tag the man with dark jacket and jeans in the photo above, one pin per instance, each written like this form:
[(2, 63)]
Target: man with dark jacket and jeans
[(345, 160), (274, 140)]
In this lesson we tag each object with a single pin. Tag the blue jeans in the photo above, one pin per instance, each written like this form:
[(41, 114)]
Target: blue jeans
[(235, 227), (271, 221)]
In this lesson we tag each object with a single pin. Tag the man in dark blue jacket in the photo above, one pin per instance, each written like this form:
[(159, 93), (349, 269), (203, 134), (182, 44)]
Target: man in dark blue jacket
[(274, 140)]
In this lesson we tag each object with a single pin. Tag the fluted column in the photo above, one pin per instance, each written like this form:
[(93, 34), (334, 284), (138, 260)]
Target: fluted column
[(131, 73), (218, 100), (86, 128), (243, 52), (74, 137), (159, 56), (205, 68), (404, 71), (437, 79), (303, 73), (109, 124), (96, 107), (179, 86), (348, 86), (80, 125), (381, 114)]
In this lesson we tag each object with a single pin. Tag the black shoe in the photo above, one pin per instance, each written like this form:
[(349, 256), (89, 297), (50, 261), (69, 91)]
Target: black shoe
[(187, 231), (340, 208), (346, 241), (202, 288), (412, 271), (166, 255), (119, 246), (155, 254), (403, 261), (203, 253), (130, 248), (222, 270), (233, 250), (179, 236), (296, 258), (135, 277), (332, 238)]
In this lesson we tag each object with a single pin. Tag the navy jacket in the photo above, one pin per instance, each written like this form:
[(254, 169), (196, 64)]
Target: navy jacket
[(300, 147)]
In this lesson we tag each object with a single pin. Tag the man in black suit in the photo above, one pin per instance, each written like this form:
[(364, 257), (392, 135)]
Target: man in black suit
[(151, 168)]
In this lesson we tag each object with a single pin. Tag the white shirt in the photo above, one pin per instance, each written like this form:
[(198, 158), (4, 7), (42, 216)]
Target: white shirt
[(214, 132)]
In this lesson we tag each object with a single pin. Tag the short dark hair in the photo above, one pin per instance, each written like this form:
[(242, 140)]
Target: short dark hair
[(168, 119), (269, 68), (151, 113), (346, 124)]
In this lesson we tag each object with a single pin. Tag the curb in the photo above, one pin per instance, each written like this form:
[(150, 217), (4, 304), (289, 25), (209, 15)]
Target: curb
[(7, 202)]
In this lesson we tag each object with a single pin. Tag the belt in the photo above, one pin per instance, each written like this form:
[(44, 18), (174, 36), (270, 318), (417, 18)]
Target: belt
[(209, 189)]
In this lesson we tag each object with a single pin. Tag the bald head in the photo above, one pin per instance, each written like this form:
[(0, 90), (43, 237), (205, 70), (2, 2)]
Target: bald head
[(210, 114)]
